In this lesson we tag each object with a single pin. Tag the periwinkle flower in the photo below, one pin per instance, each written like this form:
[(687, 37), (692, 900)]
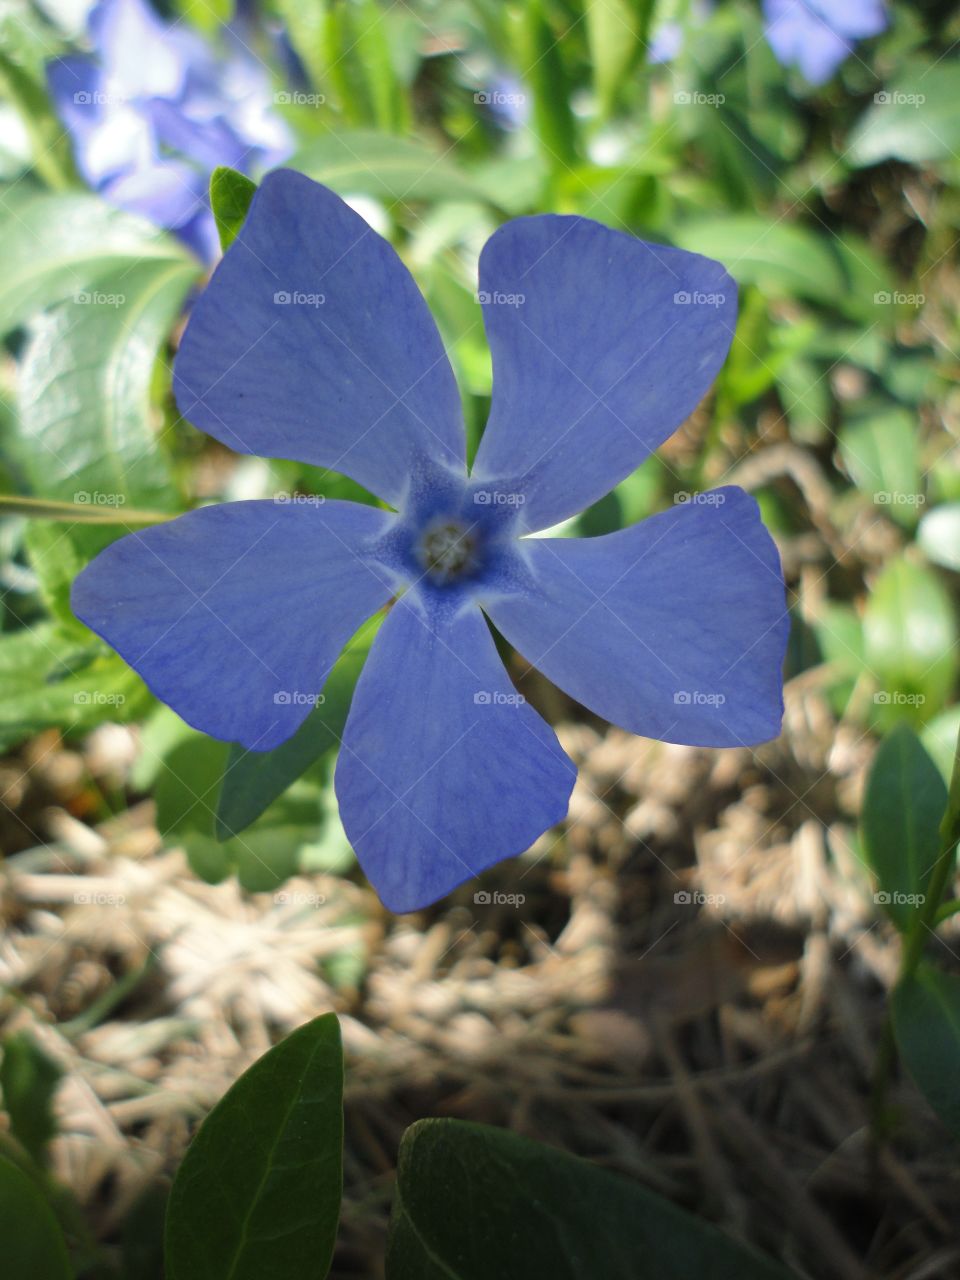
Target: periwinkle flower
[(312, 342), (153, 112), (818, 35)]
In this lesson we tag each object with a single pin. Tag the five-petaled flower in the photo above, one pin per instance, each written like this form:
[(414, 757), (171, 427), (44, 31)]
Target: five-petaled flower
[(674, 628)]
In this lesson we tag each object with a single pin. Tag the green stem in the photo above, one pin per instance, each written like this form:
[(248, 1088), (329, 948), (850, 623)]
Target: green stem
[(77, 512)]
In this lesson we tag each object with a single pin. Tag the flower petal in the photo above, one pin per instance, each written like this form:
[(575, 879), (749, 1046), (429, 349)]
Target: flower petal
[(312, 342), (444, 769), (674, 628), (234, 614), (602, 345)]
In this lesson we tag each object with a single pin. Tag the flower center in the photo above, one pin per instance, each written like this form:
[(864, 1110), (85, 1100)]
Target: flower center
[(447, 550)]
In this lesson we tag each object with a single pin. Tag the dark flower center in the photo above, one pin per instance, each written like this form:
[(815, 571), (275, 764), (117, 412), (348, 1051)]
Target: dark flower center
[(447, 550)]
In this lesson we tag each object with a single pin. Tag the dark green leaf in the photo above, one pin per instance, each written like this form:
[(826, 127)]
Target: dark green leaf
[(258, 1193), (33, 1245), (28, 1080), (926, 1019), (902, 807), (475, 1202), (230, 196)]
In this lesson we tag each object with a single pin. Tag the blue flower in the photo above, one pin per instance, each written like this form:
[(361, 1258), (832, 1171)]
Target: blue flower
[(817, 35), (155, 112), (312, 342)]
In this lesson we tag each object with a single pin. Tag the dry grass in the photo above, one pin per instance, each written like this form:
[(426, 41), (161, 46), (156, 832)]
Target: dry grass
[(718, 1048)]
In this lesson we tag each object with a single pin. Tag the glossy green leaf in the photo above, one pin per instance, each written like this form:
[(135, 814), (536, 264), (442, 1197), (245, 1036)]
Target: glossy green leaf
[(902, 806), (258, 1192), (475, 1202), (85, 419), (28, 1079), (914, 118), (230, 196), (910, 634), (252, 780), (33, 1245), (54, 247), (364, 162), (780, 258), (881, 453), (926, 1020)]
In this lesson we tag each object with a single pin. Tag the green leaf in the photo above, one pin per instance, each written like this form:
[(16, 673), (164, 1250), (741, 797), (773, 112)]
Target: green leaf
[(254, 779), (258, 1192), (910, 635), (780, 258), (33, 1244), (615, 36), (230, 196), (56, 562), (926, 1021), (57, 246), (939, 535), (881, 453), (85, 430), (364, 162), (185, 790), (902, 807), (914, 119), (28, 1080), (475, 1202), (950, 823), (50, 145)]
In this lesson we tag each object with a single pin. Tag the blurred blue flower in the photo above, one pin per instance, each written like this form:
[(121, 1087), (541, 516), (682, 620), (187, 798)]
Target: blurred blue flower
[(817, 35), (312, 342), (154, 112), (666, 43)]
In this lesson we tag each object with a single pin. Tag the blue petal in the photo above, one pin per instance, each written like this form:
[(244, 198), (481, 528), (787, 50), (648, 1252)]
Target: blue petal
[(675, 628), (312, 342), (444, 769), (138, 55), (602, 345), (234, 614)]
